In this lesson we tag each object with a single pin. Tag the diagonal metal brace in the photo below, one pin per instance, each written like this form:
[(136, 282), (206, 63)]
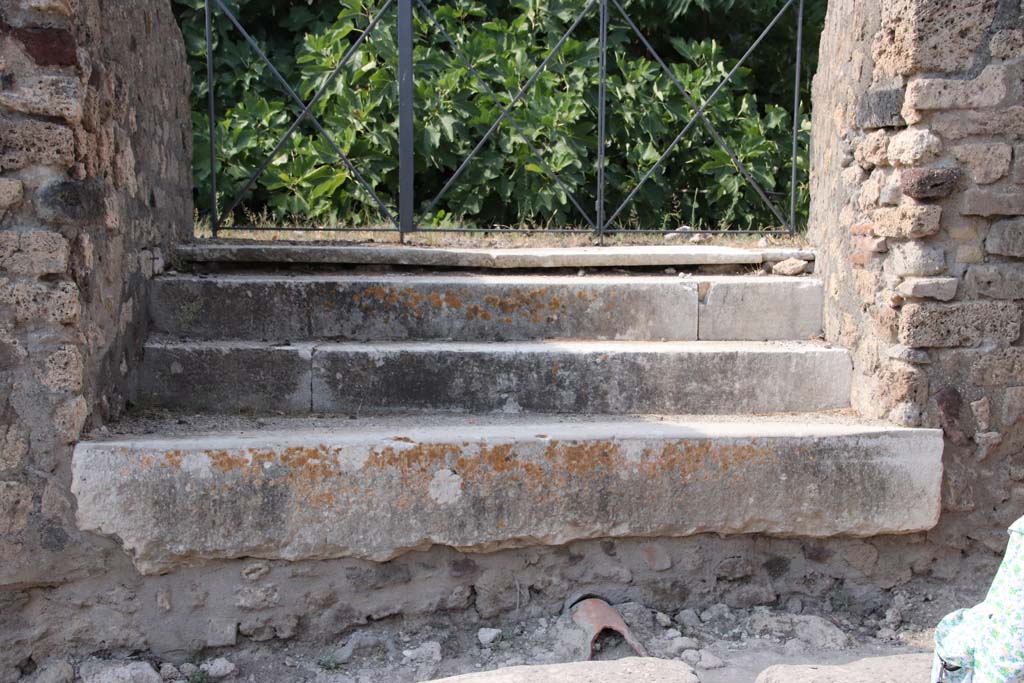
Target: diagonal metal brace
[(305, 113), (506, 111)]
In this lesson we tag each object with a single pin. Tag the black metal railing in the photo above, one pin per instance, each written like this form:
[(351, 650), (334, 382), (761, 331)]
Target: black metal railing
[(600, 221)]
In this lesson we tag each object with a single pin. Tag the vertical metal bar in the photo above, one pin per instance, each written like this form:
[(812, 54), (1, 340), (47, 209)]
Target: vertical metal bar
[(602, 97), (406, 120), (212, 114), (796, 113)]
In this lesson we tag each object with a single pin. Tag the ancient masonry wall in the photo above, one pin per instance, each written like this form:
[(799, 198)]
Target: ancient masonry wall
[(918, 213), (95, 152)]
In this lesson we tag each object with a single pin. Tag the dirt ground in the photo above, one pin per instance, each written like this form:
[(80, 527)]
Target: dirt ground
[(723, 645)]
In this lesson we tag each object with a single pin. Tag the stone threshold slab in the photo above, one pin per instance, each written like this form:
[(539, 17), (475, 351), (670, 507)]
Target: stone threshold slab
[(523, 258), (376, 493)]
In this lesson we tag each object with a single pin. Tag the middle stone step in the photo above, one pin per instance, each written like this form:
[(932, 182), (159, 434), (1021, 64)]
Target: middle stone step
[(551, 377)]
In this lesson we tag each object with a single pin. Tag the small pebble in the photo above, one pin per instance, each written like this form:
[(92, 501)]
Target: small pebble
[(487, 636)]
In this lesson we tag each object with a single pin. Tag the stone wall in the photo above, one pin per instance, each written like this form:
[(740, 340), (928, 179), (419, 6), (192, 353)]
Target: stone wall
[(918, 213), (95, 188)]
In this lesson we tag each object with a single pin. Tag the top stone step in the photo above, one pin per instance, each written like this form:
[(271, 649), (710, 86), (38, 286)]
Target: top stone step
[(520, 258)]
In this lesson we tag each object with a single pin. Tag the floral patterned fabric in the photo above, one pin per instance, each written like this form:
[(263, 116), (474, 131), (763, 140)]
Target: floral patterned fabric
[(985, 644)]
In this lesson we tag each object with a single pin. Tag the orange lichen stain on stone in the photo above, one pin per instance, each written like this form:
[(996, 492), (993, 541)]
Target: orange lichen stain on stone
[(415, 466), (527, 304), (703, 459), (582, 458), (435, 300), (473, 312), (452, 300), (403, 439), (173, 459)]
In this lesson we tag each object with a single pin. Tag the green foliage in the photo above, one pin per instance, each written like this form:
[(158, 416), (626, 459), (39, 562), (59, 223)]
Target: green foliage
[(505, 40)]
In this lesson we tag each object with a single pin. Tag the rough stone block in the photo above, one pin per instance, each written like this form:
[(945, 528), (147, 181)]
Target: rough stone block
[(41, 301), (760, 308), (997, 281), (352, 490), (25, 142), (941, 288), (10, 193), (1006, 122), (915, 259), (929, 183), (873, 150), (931, 35), (992, 203), (1007, 44), (989, 89), (970, 253), (914, 147), (37, 252), (1018, 164), (1006, 238), (959, 324), (880, 109), (578, 377), (985, 162), (53, 96), (907, 221)]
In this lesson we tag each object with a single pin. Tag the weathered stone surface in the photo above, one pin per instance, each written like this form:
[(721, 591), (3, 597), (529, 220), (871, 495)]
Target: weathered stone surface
[(956, 125), (15, 504), (461, 308), (929, 183), (989, 89), (759, 308), (226, 377), (914, 147), (570, 257), (630, 670), (959, 324), (896, 669), (941, 288), (997, 281), (36, 252), (25, 142), (53, 96), (881, 109), (931, 35), (992, 203), (579, 377), (346, 491), (41, 301), (916, 259), (11, 192), (873, 150), (985, 162), (907, 221), (1006, 238), (71, 201), (1008, 43)]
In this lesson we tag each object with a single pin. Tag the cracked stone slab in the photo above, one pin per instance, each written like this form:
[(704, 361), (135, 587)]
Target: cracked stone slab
[(376, 493)]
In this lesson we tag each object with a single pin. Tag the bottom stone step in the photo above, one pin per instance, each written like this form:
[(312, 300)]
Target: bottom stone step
[(317, 489)]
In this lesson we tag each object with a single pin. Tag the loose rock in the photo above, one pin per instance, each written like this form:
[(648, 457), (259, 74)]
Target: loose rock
[(791, 266)]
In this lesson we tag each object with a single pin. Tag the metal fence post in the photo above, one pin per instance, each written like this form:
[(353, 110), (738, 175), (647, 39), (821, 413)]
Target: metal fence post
[(406, 121), (212, 114), (796, 113), (602, 97)]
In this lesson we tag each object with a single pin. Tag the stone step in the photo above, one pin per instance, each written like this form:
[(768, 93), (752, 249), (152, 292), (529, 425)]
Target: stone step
[(234, 252), (280, 307), (303, 488), (552, 377)]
